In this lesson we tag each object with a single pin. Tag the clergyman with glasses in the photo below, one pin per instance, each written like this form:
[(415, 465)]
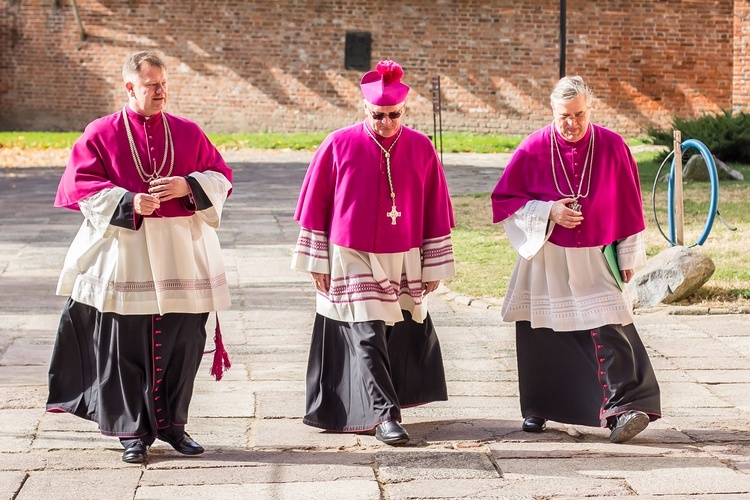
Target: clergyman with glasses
[(570, 190), (144, 271), (375, 236)]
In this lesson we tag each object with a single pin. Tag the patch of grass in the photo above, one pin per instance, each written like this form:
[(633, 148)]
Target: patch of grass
[(467, 142), (268, 141), (638, 141), (38, 140), (457, 142), (485, 259)]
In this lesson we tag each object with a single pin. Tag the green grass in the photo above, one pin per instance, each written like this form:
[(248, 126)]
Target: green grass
[(485, 260), (38, 140), (268, 141), (467, 142), (453, 142), (464, 142)]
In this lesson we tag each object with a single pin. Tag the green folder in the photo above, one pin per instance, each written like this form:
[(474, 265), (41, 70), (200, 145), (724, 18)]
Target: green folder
[(610, 255)]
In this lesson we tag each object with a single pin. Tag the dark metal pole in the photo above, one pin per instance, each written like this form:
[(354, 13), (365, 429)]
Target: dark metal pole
[(78, 20), (434, 113), (440, 118), (437, 116), (562, 38)]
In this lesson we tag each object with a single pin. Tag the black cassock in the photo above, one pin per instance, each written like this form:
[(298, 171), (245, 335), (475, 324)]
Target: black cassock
[(584, 377), (361, 374), (132, 374)]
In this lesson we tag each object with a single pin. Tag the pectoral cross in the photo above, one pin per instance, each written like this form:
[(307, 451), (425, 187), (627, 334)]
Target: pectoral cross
[(393, 214), (575, 206)]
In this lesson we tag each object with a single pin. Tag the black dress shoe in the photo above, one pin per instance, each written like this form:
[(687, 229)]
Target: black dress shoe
[(184, 444), (135, 453), (534, 424), (628, 425), (391, 432)]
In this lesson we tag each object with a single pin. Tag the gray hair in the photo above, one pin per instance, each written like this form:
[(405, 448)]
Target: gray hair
[(569, 88), (132, 66)]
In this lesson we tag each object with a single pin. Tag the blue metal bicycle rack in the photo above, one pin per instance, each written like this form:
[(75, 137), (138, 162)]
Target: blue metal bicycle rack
[(713, 210)]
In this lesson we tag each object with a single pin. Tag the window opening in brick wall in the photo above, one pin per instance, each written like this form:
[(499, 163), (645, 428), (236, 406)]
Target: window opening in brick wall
[(357, 51)]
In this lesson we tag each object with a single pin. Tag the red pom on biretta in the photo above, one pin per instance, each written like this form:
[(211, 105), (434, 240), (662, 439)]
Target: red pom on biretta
[(390, 71)]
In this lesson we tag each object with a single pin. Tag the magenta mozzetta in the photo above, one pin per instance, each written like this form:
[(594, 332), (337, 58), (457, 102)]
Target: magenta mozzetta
[(346, 192), (611, 210), (101, 159)]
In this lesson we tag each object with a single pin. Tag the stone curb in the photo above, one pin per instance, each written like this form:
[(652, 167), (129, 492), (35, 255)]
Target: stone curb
[(450, 296)]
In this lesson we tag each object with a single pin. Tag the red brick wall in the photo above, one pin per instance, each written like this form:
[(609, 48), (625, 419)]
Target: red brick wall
[(278, 65)]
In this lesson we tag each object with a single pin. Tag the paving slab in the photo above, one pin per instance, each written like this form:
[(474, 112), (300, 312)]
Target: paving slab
[(81, 484), (344, 489), (11, 482)]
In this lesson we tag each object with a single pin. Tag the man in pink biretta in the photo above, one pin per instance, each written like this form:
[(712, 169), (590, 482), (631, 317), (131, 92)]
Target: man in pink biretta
[(375, 234)]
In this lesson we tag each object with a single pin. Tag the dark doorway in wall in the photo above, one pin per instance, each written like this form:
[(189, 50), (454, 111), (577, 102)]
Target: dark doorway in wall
[(358, 50)]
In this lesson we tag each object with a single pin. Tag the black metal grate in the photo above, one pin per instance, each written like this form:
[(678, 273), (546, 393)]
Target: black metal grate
[(358, 50)]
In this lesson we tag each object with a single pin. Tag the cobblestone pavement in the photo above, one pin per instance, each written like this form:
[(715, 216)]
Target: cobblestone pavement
[(250, 423)]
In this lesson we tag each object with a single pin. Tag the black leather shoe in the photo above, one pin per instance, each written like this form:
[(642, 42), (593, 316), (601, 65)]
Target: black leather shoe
[(391, 432), (184, 444), (534, 424), (628, 425), (135, 453)]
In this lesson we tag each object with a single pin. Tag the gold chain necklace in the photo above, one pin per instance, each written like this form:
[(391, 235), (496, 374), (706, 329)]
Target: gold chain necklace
[(587, 164), (393, 213), (169, 147)]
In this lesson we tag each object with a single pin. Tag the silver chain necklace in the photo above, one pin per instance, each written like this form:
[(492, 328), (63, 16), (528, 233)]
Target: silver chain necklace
[(393, 213), (169, 147), (587, 165)]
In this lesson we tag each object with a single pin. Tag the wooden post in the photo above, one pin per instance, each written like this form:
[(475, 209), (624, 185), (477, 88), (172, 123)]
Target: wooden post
[(679, 214)]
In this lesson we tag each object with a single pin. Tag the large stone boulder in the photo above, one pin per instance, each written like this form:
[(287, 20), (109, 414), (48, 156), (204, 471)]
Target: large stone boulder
[(695, 169), (672, 275)]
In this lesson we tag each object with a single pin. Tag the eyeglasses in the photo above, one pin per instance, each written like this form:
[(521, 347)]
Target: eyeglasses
[(393, 115)]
